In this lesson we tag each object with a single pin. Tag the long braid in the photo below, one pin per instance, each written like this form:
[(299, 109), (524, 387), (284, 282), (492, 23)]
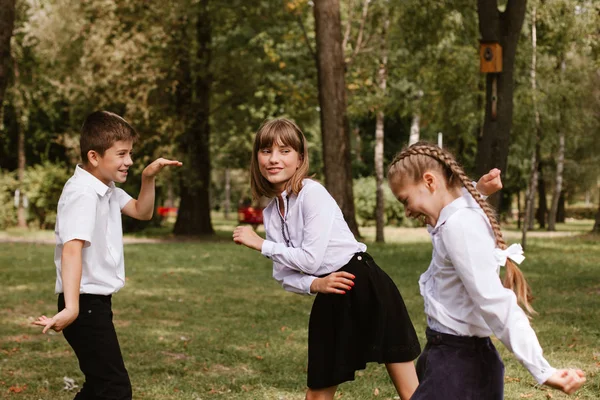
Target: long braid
[(415, 159)]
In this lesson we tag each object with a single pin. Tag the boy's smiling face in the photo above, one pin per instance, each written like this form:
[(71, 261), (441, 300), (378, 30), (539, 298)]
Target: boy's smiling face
[(113, 166)]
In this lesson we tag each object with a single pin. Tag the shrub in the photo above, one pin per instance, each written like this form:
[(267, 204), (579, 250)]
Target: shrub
[(365, 202), (8, 212), (43, 184)]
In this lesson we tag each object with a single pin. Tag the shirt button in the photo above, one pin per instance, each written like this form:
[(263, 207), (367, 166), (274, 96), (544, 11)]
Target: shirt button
[(359, 258)]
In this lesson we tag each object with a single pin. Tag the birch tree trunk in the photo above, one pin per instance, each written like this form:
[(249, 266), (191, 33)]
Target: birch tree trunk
[(379, 136), (531, 187), (415, 130)]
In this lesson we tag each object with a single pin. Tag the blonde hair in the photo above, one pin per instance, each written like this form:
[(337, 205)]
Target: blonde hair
[(284, 132), (415, 160)]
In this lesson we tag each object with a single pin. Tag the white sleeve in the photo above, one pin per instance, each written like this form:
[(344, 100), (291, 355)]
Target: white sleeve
[(291, 280), (318, 210), (469, 242), (76, 217), (122, 197)]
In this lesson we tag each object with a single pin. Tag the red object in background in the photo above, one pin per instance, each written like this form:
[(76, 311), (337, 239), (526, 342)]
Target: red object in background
[(166, 211), (250, 215)]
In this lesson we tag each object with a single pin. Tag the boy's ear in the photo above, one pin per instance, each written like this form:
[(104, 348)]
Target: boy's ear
[(93, 157)]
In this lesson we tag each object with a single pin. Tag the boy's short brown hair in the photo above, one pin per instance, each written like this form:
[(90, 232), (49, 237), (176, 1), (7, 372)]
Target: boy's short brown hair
[(101, 130)]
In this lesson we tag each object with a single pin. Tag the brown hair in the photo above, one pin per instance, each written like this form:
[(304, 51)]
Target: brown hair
[(285, 132), (420, 157), (101, 130)]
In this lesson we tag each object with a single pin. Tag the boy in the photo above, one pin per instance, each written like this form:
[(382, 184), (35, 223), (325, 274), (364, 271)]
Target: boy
[(89, 251)]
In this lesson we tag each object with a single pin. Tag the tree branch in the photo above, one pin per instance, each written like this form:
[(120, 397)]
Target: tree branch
[(348, 27), (310, 49), (359, 39)]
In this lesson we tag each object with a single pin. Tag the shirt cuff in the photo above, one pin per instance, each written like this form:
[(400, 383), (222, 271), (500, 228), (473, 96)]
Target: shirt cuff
[(475, 186), (307, 280), (267, 248), (541, 375)]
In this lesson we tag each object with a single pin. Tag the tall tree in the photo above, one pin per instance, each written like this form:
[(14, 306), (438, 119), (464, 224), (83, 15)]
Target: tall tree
[(533, 178), (332, 99), (503, 27), (379, 134), (7, 22), (193, 217)]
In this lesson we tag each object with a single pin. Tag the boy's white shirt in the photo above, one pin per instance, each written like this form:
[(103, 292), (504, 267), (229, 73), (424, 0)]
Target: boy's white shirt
[(322, 241), (462, 291), (89, 210)]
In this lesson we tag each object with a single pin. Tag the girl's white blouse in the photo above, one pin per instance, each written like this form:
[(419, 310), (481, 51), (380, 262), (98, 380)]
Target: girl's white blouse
[(311, 239), (462, 291)]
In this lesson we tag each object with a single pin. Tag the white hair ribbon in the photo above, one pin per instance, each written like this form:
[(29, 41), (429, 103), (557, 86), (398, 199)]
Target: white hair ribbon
[(514, 252)]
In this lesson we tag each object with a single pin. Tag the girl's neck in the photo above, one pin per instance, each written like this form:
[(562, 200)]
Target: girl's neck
[(450, 195)]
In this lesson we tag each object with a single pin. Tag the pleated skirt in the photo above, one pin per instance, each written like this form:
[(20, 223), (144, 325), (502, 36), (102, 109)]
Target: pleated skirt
[(369, 323)]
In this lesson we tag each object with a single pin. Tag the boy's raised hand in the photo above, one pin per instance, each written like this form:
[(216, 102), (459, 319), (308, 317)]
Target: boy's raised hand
[(489, 183), (59, 322), (157, 165)]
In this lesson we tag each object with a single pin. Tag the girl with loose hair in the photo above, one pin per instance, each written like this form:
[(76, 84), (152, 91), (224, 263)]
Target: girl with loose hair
[(358, 315), (465, 301)]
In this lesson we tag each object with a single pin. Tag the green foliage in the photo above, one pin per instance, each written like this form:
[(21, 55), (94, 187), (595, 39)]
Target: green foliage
[(43, 184), (8, 212), (365, 202)]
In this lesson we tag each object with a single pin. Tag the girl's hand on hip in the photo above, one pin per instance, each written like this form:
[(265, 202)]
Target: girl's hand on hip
[(57, 323), (567, 380), (489, 183), (337, 282), (245, 235)]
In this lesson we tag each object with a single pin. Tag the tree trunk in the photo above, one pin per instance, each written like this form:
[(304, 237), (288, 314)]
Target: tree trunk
[(531, 187), (379, 136), (193, 217), (7, 23), (596, 228), (560, 162), (21, 214), (332, 99), (415, 131), (503, 27), (530, 199), (542, 210), (560, 212), (227, 202)]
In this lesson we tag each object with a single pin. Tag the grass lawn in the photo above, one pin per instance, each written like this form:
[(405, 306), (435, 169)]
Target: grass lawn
[(205, 320)]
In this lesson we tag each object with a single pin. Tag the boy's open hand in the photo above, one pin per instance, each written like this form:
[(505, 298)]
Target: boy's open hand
[(245, 235), (59, 322), (489, 183), (567, 380), (157, 165)]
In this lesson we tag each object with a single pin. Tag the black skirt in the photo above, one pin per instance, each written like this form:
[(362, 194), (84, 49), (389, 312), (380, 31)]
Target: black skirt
[(369, 323)]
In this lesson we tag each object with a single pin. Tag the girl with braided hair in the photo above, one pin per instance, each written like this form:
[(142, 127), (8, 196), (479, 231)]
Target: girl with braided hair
[(465, 301), (358, 314)]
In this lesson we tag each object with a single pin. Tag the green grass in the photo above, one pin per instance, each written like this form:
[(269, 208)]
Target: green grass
[(205, 320)]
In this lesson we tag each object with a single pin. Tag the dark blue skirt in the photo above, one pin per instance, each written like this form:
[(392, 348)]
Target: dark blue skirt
[(369, 323), (459, 368)]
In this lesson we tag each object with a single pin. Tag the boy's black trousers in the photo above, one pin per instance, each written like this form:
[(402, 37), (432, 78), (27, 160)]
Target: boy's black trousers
[(93, 338)]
